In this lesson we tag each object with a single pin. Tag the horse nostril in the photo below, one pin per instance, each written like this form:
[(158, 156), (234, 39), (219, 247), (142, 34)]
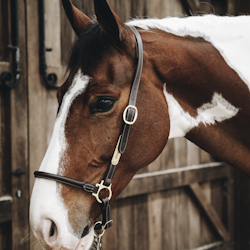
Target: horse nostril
[(85, 231), (52, 229)]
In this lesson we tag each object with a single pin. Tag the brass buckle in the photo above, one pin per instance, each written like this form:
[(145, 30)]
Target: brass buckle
[(100, 188)]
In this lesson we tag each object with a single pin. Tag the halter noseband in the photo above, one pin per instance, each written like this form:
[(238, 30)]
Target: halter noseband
[(129, 117)]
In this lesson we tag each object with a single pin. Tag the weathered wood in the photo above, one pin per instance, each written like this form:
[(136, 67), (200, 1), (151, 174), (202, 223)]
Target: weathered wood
[(5, 161), (231, 7), (5, 236), (4, 31), (193, 158), (155, 182), (155, 220), (169, 220), (207, 233), (194, 5), (37, 94), (229, 245), (138, 8), (140, 223), (5, 211), (37, 138), (210, 211), (125, 221), (19, 143), (53, 39)]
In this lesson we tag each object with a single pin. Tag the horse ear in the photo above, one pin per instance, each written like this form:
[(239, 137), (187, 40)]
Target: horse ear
[(78, 20), (110, 22)]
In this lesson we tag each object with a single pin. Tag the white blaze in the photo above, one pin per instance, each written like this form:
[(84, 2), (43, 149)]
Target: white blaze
[(45, 200), (181, 122)]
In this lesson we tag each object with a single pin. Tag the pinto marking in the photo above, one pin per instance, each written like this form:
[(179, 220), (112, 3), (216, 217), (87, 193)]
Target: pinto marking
[(228, 36), (47, 190), (181, 122)]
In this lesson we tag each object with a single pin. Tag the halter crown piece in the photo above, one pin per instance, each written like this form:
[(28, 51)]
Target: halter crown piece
[(129, 117)]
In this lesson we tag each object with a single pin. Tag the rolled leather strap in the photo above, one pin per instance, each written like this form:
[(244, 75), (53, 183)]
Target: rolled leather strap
[(86, 186), (134, 90)]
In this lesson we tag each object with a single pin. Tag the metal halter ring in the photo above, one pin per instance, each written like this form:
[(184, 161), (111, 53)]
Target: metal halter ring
[(125, 114), (103, 230), (100, 188)]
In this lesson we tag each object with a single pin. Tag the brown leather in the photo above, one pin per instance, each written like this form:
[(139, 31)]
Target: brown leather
[(86, 186), (134, 89)]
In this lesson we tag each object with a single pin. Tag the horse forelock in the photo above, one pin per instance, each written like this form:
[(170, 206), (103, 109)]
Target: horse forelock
[(90, 48)]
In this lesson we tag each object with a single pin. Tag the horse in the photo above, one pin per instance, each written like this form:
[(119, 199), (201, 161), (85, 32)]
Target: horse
[(193, 80)]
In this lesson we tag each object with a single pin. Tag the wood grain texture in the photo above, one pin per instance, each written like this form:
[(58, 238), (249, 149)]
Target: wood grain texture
[(4, 31), (5, 211), (19, 144), (160, 182), (210, 211)]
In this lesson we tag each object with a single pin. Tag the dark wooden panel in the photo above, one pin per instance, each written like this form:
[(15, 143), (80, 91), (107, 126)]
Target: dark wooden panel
[(5, 144), (162, 180), (5, 236), (5, 211), (4, 30)]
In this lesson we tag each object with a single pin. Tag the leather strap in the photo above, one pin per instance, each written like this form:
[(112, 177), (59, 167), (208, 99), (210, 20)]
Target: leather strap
[(86, 186), (134, 90)]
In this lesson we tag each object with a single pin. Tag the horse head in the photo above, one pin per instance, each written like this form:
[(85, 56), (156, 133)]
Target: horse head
[(92, 100)]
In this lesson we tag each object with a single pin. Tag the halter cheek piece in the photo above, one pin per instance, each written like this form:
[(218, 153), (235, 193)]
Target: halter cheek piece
[(129, 117)]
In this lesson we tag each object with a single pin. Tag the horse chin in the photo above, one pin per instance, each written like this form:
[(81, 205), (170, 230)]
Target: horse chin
[(86, 242)]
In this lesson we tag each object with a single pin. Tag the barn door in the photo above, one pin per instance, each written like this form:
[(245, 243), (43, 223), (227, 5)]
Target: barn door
[(14, 178)]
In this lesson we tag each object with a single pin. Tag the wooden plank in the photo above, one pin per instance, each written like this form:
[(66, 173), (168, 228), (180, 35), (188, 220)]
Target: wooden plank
[(4, 66), (170, 211), (53, 39), (36, 94), (66, 37), (125, 221), (210, 211), (193, 158), (5, 236), (53, 32), (4, 30), (5, 161), (140, 223), (138, 8), (155, 220), (5, 211), (19, 143), (181, 234), (163, 180), (229, 245), (207, 233), (194, 5), (231, 7)]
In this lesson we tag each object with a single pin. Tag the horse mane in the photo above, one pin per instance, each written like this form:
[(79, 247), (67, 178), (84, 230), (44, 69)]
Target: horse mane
[(90, 48)]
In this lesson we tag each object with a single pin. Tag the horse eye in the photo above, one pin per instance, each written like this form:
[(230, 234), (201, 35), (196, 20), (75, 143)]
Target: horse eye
[(101, 105)]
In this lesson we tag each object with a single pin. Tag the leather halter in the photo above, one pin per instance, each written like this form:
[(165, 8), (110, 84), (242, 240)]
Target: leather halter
[(129, 117)]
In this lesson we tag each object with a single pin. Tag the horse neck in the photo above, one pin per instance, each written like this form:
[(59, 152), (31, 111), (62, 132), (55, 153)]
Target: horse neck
[(200, 88)]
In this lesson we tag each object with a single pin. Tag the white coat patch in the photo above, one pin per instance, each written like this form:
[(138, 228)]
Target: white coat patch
[(182, 122), (229, 35)]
